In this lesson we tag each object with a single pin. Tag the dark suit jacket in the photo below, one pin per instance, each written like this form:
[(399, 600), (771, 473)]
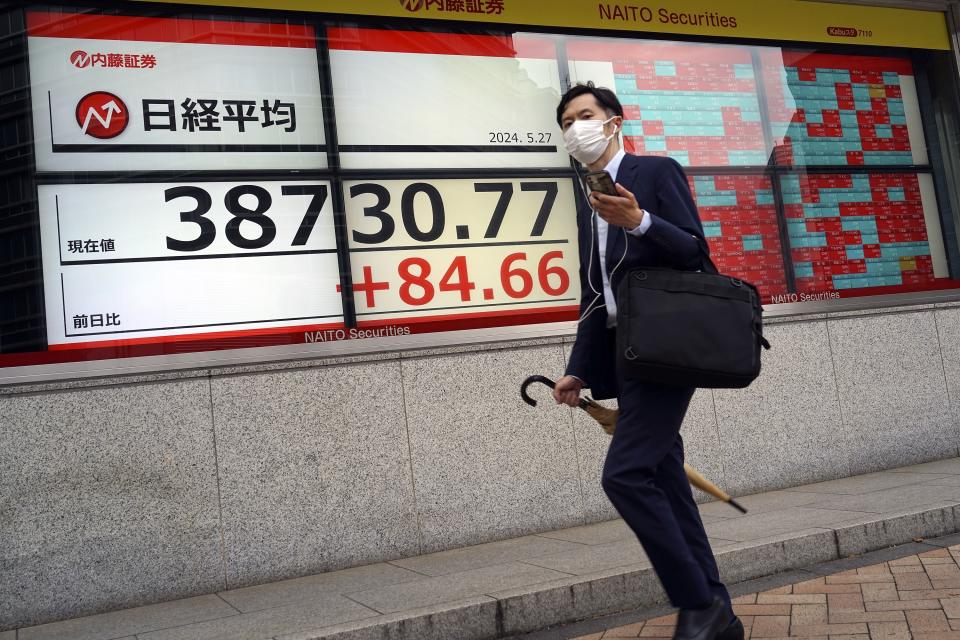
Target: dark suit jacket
[(661, 188)]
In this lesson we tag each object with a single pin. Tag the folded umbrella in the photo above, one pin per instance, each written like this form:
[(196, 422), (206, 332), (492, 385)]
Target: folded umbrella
[(608, 421)]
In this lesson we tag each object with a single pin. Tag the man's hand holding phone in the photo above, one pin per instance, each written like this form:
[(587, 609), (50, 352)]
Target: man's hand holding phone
[(620, 210), (601, 182)]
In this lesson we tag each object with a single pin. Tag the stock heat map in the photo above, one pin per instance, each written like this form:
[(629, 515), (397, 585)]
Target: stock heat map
[(849, 231), (839, 110), (699, 105), (704, 107), (740, 224), (856, 231), (696, 104)]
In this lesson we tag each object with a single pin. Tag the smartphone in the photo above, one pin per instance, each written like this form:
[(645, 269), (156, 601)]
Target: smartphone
[(602, 182)]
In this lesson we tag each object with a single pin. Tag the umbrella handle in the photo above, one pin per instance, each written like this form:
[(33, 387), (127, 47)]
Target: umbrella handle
[(526, 383), (583, 404), (695, 478)]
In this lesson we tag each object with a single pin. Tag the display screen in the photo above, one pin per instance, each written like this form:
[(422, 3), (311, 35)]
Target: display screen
[(218, 183), (463, 251), (141, 262), (862, 232), (722, 107), (115, 93), (454, 100), (843, 110), (740, 223), (697, 104)]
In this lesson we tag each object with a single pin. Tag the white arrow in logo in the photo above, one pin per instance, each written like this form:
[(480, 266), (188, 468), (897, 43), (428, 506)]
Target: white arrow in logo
[(101, 115), (111, 108)]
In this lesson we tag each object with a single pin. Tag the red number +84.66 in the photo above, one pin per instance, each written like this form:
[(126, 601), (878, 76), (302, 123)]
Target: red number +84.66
[(516, 282)]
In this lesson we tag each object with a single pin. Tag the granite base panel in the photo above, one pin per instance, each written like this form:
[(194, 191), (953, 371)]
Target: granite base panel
[(224, 458), (108, 500)]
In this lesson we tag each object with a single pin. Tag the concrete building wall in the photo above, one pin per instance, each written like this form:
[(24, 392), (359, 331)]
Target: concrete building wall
[(120, 492)]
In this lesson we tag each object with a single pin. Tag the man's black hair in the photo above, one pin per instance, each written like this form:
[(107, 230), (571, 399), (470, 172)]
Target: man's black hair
[(605, 98)]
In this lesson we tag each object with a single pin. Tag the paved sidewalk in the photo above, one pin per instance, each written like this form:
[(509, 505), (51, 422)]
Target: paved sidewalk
[(916, 596), (519, 586)]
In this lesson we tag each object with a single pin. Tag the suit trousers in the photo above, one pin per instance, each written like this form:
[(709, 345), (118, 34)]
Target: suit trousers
[(644, 478)]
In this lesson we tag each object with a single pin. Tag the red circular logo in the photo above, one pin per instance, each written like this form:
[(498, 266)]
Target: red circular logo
[(80, 59), (412, 5), (102, 115)]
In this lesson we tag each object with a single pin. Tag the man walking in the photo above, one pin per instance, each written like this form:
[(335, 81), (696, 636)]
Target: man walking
[(651, 222)]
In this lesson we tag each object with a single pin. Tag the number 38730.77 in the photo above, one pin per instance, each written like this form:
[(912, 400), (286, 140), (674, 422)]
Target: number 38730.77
[(375, 212)]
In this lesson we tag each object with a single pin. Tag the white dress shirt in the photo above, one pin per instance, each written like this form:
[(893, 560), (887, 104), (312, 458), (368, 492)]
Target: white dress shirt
[(603, 228)]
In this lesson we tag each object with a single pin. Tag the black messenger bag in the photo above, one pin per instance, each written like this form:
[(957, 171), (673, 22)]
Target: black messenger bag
[(689, 328)]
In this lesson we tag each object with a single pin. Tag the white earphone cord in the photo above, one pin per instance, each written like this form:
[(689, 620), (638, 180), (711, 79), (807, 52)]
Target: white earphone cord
[(599, 294)]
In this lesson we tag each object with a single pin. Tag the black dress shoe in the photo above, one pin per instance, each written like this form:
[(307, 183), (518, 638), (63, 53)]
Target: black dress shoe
[(733, 631), (702, 624)]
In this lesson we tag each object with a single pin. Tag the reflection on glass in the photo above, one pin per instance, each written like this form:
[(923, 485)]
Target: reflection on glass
[(435, 100), (697, 104), (842, 110)]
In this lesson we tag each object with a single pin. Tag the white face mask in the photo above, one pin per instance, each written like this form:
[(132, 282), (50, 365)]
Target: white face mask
[(584, 139)]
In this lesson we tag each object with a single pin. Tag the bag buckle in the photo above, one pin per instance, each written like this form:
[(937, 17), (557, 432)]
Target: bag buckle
[(640, 275)]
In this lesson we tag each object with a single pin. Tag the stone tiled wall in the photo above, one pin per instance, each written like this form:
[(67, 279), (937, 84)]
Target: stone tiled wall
[(120, 492)]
